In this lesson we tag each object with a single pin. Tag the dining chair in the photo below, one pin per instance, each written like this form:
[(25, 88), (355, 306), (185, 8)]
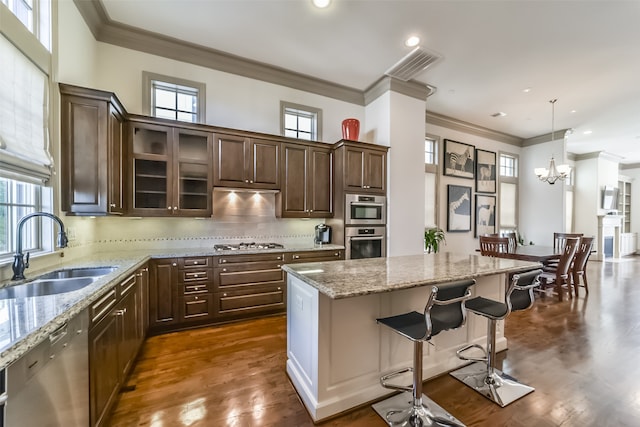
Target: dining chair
[(579, 267), (492, 246), (513, 240), (559, 275), (560, 239)]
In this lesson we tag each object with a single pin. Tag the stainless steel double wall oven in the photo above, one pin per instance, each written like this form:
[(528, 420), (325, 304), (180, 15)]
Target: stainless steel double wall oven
[(365, 231)]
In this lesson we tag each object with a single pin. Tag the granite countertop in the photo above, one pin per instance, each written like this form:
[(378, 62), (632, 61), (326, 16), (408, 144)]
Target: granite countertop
[(25, 322), (350, 278)]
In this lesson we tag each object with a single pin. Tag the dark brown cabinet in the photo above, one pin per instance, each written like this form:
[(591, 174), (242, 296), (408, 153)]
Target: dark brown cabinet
[(244, 162), (114, 341), (195, 287), (248, 285), (163, 294), (314, 256), (363, 167), (92, 163), (170, 170), (307, 182)]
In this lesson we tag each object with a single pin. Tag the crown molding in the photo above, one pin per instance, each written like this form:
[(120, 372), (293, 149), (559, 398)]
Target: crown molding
[(599, 155), (462, 126), (385, 84), (108, 31)]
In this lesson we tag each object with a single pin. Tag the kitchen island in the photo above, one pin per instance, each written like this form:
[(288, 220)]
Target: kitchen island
[(336, 352)]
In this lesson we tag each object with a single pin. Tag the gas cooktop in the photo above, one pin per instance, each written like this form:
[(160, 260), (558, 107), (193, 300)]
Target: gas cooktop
[(245, 246)]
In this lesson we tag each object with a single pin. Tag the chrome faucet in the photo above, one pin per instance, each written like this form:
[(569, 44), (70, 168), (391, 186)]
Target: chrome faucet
[(19, 263)]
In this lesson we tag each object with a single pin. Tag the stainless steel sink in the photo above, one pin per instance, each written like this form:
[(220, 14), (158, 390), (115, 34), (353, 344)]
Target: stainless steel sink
[(42, 287), (77, 272)]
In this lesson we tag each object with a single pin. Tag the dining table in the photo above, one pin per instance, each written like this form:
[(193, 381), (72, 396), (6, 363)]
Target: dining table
[(538, 253)]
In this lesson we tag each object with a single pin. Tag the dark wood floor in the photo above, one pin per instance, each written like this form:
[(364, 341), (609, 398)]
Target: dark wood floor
[(581, 355)]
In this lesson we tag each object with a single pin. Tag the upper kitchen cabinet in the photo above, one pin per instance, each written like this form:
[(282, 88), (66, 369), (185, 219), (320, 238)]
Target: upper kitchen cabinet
[(307, 184), (92, 162), (361, 167), (244, 162), (170, 170)]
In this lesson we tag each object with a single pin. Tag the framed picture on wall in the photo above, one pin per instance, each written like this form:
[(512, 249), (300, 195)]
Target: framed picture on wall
[(459, 159), (485, 215), (485, 171), (458, 208)]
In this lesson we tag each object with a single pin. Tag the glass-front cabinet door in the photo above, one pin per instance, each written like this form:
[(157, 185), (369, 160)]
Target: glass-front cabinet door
[(193, 160), (170, 171), (151, 172)]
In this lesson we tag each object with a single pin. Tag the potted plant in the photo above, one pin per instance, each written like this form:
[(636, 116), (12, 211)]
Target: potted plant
[(432, 239)]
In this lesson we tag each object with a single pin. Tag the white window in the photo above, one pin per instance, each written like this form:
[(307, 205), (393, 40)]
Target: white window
[(508, 193), (300, 121), (431, 181), (35, 15), (508, 165), (430, 151), (172, 98), (18, 199)]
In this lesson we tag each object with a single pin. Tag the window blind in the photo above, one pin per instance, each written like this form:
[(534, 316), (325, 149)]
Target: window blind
[(24, 115)]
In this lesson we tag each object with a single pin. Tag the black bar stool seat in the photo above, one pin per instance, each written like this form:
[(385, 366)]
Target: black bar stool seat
[(445, 309), (482, 375)]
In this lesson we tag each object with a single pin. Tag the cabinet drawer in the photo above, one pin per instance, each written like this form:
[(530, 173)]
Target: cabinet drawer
[(235, 303), (197, 306), (196, 288), (232, 259), (264, 273), (126, 285), (195, 275), (314, 256), (101, 307), (195, 262)]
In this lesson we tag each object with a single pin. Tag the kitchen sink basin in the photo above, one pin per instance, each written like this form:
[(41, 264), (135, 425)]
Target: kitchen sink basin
[(77, 272), (42, 287)]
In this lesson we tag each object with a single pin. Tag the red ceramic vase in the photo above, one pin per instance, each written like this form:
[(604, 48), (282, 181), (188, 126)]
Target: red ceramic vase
[(351, 129)]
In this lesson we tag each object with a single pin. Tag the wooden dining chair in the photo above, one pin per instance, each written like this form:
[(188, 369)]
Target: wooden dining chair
[(513, 240), (560, 275), (492, 246), (560, 239), (579, 267)]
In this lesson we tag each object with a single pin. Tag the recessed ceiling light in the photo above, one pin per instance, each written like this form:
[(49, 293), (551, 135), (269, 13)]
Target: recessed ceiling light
[(587, 132), (574, 111), (321, 3), (499, 114), (412, 41), (526, 90)]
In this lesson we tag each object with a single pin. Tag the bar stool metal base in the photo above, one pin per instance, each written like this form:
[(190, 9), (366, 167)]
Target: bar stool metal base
[(398, 411), (498, 387)]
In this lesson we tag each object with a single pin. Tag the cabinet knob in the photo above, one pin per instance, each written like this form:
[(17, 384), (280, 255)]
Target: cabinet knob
[(224, 295), (195, 275), (278, 257), (246, 180), (224, 269), (336, 254), (169, 207), (174, 264), (195, 262), (251, 182), (146, 269), (279, 266), (310, 210), (279, 288), (112, 205), (296, 257), (223, 261), (196, 298), (175, 208), (138, 274)]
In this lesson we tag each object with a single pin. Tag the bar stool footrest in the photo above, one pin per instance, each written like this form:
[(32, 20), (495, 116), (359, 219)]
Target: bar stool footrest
[(385, 378), (472, 358), (398, 410), (498, 387)]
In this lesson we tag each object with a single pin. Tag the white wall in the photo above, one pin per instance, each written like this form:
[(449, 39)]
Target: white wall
[(77, 49), (462, 241), (402, 128), (541, 204), (587, 197)]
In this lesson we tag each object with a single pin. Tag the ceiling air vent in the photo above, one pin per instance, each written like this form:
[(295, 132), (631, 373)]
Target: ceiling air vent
[(413, 63)]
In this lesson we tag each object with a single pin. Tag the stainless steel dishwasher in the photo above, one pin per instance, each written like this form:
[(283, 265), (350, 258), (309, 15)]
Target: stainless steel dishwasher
[(49, 386)]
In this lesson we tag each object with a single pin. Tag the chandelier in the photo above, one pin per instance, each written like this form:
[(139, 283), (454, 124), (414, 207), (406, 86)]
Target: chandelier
[(553, 172)]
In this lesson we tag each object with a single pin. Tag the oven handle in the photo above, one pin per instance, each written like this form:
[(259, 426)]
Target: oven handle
[(366, 238), (366, 204)]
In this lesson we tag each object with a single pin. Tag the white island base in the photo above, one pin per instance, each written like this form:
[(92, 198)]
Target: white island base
[(337, 352)]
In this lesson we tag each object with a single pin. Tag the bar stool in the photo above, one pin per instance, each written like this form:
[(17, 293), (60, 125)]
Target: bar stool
[(445, 309), (483, 376)]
